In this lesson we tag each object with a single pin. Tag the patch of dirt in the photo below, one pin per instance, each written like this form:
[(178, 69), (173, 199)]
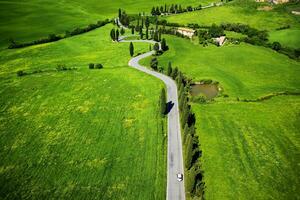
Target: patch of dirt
[(265, 8)]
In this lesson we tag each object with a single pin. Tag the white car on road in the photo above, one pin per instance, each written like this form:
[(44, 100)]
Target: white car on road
[(179, 177)]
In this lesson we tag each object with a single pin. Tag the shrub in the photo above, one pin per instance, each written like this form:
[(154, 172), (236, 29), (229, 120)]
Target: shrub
[(276, 46), (98, 66), (61, 67), (20, 73), (199, 99), (91, 66)]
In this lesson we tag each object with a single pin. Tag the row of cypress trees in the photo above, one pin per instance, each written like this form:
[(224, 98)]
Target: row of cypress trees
[(192, 152)]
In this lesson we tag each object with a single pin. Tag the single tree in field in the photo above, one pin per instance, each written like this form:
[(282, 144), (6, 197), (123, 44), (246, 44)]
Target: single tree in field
[(132, 30), (117, 34), (163, 101), (164, 46), (131, 49), (150, 47), (122, 31), (113, 34), (169, 72), (276, 46)]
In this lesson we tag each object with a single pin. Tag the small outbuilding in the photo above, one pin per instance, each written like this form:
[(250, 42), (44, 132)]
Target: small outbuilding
[(220, 40)]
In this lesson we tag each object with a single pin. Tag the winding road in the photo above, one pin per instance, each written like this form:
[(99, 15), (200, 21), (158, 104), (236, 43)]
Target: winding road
[(175, 189)]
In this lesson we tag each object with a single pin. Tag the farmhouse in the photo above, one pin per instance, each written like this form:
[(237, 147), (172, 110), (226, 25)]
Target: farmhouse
[(186, 32), (220, 40), (273, 1)]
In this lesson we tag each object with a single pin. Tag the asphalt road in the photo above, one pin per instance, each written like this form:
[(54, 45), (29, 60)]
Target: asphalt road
[(175, 189)]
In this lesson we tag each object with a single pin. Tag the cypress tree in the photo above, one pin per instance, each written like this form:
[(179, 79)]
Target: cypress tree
[(132, 30), (120, 14), (113, 34), (141, 33), (159, 35), (174, 73), (156, 47), (147, 23), (156, 36), (117, 35), (169, 72), (161, 9), (154, 63), (137, 25), (157, 11), (164, 46), (153, 11), (142, 26), (188, 151), (163, 101), (147, 33), (122, 31), (185, 112), (131, 49), (185, 132)]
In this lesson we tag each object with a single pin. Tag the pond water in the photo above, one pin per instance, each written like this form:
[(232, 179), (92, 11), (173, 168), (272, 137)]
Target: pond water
[(208, 90)]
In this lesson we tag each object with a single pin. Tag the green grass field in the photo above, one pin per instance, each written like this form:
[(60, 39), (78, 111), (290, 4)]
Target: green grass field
[(80, 134), (288, 37), (250, 150), (243, 70), (32, 19), (238, 13)]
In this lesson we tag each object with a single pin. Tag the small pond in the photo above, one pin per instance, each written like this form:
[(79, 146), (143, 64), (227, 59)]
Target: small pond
[(208, 90)]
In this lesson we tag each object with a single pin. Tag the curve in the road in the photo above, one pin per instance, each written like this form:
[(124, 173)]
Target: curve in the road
[(175, 189)]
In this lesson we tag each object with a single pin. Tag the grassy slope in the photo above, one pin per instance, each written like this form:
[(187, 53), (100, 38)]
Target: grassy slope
[(288, 37), (31, 19), (246, 146), (243, 70), (80, 134), (238, 13), (251, 150)]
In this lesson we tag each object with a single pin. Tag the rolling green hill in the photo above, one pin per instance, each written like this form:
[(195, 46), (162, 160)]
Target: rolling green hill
[(243, 70), (238, 13), (80, 134), (27, 20), (250, 150)]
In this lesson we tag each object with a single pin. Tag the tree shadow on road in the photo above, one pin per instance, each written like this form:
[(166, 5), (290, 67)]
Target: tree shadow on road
[(169, 107)]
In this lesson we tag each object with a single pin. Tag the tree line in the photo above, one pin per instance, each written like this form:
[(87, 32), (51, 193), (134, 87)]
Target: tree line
[(53, 37), (115, 34), (172, 9), (123, 17), (192, 152)]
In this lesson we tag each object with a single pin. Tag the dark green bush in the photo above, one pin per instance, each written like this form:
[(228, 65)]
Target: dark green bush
[(91, 66), (98, 66), (21, 73)]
